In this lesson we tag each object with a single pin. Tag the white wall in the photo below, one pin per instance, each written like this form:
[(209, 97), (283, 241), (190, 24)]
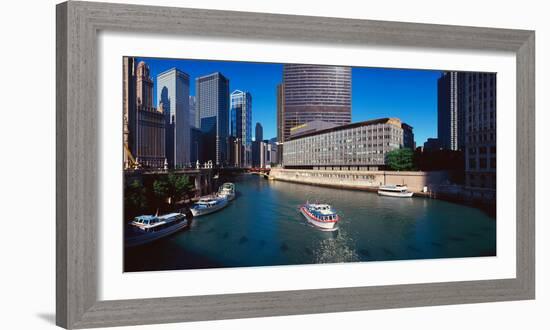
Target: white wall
[(27, 136)]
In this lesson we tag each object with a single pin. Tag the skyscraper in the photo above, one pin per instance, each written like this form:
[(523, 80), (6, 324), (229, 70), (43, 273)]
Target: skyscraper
[(143, 124), (129, 108), (450, 112), (212, 92), (193, 112), (280, 121), (144, 86), (408, 136), (241, 123), (315, 92), (259, 132), (257, 144), (479, 94), (467, 121), (173, 93)]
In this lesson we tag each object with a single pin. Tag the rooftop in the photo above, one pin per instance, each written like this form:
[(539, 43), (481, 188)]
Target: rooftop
[(169, 71), (391, 121)]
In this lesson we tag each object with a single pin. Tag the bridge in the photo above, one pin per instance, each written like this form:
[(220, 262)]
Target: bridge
[(203, 178)]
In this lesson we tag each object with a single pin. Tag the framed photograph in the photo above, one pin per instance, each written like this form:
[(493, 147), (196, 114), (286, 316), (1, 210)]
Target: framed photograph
[(216, 164)]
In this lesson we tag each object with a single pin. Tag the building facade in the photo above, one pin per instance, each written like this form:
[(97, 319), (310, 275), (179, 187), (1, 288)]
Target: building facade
[(241, 123), (256, 145), (143, 124), (196, 145), (192, 112), (408, 136), (212, 92), (357, 146), (280, 120), (480, 130), (150, 137), (144, 85), (314, 92), (173, 94), (236, 152), (129, 110)]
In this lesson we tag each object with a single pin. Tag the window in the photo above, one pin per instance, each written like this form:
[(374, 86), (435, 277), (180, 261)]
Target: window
[(483, 163)]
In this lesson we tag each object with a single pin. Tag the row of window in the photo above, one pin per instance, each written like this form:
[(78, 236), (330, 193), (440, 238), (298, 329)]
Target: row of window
[(482, 150), (484, 164)]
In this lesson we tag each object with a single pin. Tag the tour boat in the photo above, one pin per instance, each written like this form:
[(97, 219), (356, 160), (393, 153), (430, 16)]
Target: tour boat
[(320, 215), (148, 228), (207, 205), (227, 190), (394, 191)]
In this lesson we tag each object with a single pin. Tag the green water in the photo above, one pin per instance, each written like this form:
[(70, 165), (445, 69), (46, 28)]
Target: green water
[(263, 227)]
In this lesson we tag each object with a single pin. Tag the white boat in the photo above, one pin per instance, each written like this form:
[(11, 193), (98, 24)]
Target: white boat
[(320, 215), (394, 191), (207, 205), (148, 228), (227, 190)]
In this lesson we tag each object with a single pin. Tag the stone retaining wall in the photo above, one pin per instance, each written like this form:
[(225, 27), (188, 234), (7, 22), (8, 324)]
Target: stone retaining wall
[(366, 180)]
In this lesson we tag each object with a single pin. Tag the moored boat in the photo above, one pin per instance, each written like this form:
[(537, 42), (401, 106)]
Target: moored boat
[(148, 228), (227, 190), (207, 205), (320, 215), (394, 191)]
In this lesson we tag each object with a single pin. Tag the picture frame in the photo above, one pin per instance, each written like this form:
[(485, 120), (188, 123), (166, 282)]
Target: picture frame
[(77, 189)]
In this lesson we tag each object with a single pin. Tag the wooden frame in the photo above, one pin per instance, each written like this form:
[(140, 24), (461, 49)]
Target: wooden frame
[(77, 181)]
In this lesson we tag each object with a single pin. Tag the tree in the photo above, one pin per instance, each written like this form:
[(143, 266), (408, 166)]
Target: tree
[(172, 187), (400, 159), (135, 195)]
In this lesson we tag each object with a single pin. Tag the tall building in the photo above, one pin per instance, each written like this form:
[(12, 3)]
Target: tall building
[(480, 129), (273, 151), (173, 93), (264, 154), (257, 144), (259, 132), (150, 137), (241, 123), (144, 85), (196, 145), (450, 113), (467, 121), (408, 136), (143, 124), (280, 121), (193, 112), (212, 92), (315, 92), (129, 108), (236, 152)]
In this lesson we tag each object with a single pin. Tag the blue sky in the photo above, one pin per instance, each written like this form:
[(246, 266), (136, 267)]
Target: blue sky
[(410, 95)]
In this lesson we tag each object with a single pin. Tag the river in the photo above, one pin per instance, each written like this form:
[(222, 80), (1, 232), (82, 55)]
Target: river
[(263, 227)]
